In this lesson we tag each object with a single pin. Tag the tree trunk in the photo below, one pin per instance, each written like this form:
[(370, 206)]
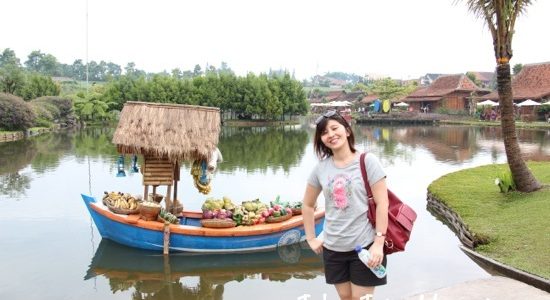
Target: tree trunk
[(523, 178)]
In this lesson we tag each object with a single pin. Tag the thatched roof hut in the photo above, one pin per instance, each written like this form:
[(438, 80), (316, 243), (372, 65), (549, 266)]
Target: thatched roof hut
[(174, 131)]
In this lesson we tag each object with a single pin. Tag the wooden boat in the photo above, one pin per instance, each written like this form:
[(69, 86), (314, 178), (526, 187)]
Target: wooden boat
[(190, 236)]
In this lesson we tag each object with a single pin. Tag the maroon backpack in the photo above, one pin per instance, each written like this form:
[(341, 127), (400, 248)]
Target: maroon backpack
[(401, 217)]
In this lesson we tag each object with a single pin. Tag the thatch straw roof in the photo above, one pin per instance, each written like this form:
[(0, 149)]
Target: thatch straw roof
[(178, 132)]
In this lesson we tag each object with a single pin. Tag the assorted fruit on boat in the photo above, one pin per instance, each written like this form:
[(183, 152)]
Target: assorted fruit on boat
[(222, 226), (222, 213)]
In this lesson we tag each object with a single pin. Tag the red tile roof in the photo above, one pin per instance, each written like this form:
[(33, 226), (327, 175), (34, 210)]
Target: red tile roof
[(484, 76), (369, 98), (332, 95), (444, 85), (532, 82)]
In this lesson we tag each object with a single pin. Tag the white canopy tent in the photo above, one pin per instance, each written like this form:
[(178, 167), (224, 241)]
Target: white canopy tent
[(332, 104), (529, 102), (487, 102), (401, 104), (339, 103)]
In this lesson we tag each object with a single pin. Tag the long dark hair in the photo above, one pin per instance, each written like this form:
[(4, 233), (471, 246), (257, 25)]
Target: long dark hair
[(323, 151)]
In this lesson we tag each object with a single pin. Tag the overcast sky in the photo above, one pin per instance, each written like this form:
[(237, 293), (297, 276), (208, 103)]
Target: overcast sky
[(399, 38)]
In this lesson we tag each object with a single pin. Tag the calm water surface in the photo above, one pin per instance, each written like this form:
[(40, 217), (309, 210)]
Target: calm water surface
[(51, 250)]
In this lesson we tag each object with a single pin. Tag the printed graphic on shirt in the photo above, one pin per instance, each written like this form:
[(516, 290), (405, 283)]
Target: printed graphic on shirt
[(339, 190)]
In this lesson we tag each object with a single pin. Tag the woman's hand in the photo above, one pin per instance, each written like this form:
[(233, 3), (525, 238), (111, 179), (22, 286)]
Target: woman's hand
[(316, 245), (376, 254)]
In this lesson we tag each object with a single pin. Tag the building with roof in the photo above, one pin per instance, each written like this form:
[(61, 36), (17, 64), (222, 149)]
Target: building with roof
[(532, 82), (451, 92), (485, 79), (428, 79)]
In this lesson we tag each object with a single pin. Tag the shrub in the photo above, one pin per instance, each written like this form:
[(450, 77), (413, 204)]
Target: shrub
[(38, 85), (62, 107), (15, 113), (41, 122), (505, 182), (45, 113)]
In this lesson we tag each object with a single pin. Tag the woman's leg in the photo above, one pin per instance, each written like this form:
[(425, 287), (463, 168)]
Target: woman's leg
[(344, 290), (361, 292)]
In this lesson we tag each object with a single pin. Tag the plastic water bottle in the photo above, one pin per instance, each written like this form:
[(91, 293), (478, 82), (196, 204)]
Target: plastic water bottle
[(364, 256)]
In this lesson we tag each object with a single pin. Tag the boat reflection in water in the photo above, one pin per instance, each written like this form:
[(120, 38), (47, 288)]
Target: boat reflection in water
[(154, 276)]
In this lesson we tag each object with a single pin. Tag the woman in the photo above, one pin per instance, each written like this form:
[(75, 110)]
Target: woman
[(338, 175)]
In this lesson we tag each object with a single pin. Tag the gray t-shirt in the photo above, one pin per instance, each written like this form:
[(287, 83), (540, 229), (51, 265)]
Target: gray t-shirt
[(346, 222)]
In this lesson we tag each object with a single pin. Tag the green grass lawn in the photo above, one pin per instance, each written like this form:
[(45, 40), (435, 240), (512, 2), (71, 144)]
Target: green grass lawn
[(517, 225)]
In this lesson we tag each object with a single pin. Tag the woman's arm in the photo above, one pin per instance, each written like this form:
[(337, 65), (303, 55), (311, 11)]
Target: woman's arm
[(308, 209), (380, 194)]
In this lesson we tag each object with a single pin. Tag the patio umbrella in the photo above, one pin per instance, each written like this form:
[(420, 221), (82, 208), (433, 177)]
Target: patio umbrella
[(401, 104), (528, 102), (487, 102)]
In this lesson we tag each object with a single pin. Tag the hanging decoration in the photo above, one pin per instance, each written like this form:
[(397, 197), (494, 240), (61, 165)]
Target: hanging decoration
[(120, 166), (135, 168), (200, 176), (203, 171)]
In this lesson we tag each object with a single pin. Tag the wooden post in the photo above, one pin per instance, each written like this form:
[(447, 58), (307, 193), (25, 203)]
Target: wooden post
[(176, 179), (166, 247), (145, 192), (168, 201)]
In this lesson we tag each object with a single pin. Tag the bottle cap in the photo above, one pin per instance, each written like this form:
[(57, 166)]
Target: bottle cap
[(358, 249)]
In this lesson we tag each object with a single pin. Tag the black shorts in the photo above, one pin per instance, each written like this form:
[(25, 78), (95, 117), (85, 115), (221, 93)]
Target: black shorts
[(342, 267)]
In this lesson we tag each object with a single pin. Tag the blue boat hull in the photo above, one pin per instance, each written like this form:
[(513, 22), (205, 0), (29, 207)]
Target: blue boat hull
[(138, 237)]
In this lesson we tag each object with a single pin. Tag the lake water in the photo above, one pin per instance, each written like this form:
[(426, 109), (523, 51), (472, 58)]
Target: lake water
[(50, 249)]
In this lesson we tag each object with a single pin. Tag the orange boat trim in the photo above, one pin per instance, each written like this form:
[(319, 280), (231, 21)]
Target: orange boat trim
[(258, 229)]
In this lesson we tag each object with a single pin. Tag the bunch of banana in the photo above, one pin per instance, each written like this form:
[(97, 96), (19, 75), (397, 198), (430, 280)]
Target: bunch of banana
[(196, 172), (168, 216), (120, 200)]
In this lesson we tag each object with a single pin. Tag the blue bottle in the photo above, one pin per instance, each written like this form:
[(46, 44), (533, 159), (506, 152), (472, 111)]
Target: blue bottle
[(364, 256)]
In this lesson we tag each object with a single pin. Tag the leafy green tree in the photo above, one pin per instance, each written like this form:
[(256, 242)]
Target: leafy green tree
[(473, 78), (517, 68), (177, 73), (49, 65), (91, 107), (33, 61), (66, 70), (42, 63), (130, 69), (387, 89), (8, 58), (37, 85), (225, 69), (187, 74), (12, 78), (113, 70), (210, 70), (79, 70), (197, 71), (500, 16)]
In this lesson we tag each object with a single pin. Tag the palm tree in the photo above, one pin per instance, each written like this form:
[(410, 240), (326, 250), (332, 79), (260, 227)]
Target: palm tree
[(500, 16), (92, 107)]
